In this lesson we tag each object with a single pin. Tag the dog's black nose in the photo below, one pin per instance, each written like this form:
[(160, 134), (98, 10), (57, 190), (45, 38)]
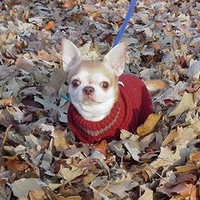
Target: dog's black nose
[(88, 90)]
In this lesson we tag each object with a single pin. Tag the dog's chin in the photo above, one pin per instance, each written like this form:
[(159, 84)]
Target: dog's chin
[(90, 101), (93, 110)]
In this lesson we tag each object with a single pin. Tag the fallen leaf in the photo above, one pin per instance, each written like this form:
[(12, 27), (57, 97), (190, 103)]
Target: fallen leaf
[(6, 101), (182, 185), (186, 169), (183, 62), (22, 186), (167, 157), (120, 186), (125, 134), (88, 179), (37, 194), (50, 26), (16, 165), (73, 198), (60, 144), (24, 64), (68, 3), (101, 147), (69, 174), (195, 157), (149, 125), (99, 185), (170, 137), (169, 102), (133, 148), (194, 69), (186, 103), (87, 162), (69, 192), (148, 193), (97, 155), (60, 141)]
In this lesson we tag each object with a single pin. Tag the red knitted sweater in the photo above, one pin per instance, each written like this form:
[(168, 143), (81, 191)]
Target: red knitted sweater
[(131, 110)]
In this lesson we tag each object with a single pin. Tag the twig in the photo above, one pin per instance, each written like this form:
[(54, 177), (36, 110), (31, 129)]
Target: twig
[(4, 140)]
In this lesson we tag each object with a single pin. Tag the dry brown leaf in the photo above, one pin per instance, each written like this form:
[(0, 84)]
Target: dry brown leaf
[(60, 144), (73, 198), (87, 163), (90, 8), (195, 157), (69, 174), (5, 118), (101, 147), (68, 191), (15, 112), (21, 45), (23, 64), (12, 3), (14, 164), (149, 125), (88, 179), (145, 175), (186, 169), (181, 185), (50, 26), (184, 189), (6, 101), (37, 195), (148, 193), (44, 55), (60, 141), (156, 46), (68, 3), (170, 137)]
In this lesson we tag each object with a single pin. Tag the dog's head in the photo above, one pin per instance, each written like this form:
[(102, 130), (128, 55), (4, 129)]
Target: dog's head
[(93, 84)]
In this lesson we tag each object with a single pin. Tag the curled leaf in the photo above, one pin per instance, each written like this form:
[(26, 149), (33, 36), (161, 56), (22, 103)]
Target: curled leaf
[(149, 125), (186, 103)]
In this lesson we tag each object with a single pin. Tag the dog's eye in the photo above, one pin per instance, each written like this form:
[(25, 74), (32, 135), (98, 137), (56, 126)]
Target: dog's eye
[(76, 83), (104, 85)]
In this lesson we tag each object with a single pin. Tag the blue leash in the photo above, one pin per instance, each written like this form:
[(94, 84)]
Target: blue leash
[(65, 97), (126, 20), (120, 33)]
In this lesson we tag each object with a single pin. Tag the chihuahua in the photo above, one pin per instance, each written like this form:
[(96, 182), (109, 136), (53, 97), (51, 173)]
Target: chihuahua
[(103, 100)]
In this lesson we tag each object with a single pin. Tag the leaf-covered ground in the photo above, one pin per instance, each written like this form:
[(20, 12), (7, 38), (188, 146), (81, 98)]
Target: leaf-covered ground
[(39, 156)]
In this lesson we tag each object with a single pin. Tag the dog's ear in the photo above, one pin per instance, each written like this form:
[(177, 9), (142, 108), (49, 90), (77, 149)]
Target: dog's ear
[(116, 58), (70, 55)]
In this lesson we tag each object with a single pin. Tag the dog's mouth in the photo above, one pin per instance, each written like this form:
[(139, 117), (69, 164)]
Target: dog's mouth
[(89, 101)]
